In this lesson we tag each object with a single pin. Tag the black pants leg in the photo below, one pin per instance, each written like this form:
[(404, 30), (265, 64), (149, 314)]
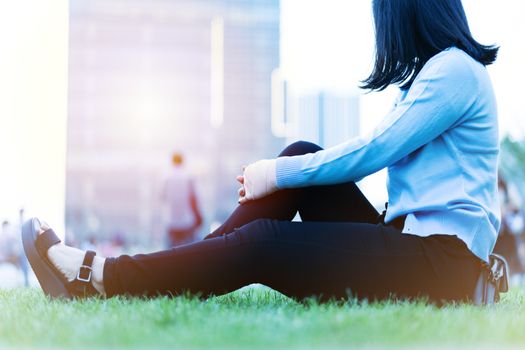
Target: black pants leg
[(328, 259), (335, 203)]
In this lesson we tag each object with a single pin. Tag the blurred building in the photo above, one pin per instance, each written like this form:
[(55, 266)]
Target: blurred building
[(147, 77), (324, 118)]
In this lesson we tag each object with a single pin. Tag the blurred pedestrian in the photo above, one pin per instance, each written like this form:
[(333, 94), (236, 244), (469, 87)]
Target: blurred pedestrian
[(22, 259), (7, 246), (512, 227), (509, 238), (11, 250), (180, 197)]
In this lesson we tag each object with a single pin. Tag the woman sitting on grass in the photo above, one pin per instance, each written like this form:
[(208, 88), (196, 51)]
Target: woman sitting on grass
[(440, 144)]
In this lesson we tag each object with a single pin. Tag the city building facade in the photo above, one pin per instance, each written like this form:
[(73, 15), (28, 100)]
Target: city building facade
[(150, 77)]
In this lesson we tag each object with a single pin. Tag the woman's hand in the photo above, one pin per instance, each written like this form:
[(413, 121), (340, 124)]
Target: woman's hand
[(258, 180)]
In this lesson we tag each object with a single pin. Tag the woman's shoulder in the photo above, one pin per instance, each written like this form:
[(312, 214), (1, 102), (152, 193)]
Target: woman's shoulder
[(454, 66), (456, 60)]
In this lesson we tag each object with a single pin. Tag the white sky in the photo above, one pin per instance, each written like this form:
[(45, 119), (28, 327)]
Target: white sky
[(33, 86)]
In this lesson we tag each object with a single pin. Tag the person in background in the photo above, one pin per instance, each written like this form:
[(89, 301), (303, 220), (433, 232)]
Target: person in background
[(6, 246), (11, 249), (22, 259), (512, 228), (183, 210)]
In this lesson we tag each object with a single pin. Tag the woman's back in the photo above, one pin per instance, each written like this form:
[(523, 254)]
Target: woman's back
[(440, 143), (449, 185)]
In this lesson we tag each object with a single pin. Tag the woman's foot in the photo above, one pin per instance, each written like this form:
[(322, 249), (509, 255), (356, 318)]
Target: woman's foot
[(68, 260)]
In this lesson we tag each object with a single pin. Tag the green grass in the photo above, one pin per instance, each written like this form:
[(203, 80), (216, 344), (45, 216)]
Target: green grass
[(254, 318)]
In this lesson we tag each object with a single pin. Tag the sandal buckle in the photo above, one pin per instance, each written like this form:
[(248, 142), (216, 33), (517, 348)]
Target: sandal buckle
[(84, 269)]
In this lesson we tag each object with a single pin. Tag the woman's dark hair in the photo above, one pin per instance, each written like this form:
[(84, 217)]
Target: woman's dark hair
[(410, 32)]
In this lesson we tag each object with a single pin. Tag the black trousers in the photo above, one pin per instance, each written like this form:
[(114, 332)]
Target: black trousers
[(338, 250)]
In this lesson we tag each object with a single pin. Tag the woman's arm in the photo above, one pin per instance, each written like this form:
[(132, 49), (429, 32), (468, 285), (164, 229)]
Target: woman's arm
[(438, 99)]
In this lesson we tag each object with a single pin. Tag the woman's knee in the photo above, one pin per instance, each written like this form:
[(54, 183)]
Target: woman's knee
[(300, 147), (259, 230)]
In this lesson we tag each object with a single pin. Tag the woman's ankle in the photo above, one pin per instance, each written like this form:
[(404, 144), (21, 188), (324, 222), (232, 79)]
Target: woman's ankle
[(98, 274)]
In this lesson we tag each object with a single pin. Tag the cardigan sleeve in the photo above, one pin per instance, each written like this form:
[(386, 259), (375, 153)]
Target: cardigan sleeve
[(437, 100)]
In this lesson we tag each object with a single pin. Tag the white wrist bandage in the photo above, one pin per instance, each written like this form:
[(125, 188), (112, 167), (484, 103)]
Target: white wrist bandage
[(260, 179)]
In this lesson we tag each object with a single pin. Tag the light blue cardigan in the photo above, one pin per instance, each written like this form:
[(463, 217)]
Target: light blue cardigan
[(440, 144)]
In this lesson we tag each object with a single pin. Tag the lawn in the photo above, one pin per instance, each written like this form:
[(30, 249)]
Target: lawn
[(254, 318)]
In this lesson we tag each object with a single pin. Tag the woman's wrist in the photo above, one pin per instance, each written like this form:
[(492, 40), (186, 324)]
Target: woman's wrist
[(260, 179)]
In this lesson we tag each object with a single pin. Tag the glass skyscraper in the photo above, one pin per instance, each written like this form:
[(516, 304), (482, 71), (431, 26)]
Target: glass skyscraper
[(149, 77), (325, 118)]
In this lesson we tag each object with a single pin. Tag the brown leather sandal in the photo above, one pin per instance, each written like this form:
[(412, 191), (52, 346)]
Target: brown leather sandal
[(52, 281)]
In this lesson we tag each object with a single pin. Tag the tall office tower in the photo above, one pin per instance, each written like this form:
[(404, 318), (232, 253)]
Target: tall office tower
[(149, 77), (324, 118)]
